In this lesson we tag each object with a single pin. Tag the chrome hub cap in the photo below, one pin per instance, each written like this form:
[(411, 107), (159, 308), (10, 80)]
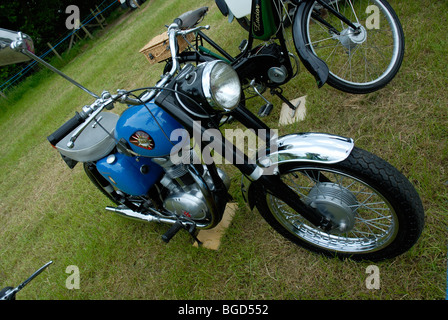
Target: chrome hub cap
[(350, 39), (336, 204)]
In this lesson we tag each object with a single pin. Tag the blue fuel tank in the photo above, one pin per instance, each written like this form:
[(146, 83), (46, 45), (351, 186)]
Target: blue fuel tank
[(148, 138), (148, 128)]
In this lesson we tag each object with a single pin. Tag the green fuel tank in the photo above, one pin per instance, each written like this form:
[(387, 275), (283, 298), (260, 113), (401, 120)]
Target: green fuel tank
[(264, 19)]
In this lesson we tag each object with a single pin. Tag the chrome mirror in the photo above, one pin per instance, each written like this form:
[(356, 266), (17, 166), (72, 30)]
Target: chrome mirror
[(7, 54)]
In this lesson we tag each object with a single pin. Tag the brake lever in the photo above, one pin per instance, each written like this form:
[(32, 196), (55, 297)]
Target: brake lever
[(10, 294), (81, 128), (105, 102), (195, 29)]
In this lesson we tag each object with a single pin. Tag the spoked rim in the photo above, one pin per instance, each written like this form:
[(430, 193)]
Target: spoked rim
[(362, 59), (375, 224)]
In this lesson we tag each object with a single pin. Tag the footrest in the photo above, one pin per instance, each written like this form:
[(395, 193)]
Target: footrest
[(265, 110), (172, 231), (243, 45)]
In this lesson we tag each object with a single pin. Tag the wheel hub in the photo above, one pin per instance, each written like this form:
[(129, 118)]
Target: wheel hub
[(350, 39), (336, 203)]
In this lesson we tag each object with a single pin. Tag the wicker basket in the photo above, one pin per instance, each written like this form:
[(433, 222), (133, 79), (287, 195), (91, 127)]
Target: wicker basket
[(158, 49)]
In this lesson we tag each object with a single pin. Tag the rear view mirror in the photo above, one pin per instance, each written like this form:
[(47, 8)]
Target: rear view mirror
[(7, 54), (18, 47)]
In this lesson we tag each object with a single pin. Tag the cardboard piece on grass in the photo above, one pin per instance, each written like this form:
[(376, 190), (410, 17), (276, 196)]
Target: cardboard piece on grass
[(211, 239), (288, 116)]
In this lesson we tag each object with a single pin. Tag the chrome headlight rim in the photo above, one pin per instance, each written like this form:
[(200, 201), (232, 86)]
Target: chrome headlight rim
[(207, 85)]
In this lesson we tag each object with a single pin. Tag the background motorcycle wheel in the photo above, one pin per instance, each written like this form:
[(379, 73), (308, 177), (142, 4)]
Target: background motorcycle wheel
[(379, 205), (358, 63), (134, 4)]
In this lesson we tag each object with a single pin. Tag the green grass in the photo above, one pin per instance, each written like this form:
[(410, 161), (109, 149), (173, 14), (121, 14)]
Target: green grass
[(49, 212)]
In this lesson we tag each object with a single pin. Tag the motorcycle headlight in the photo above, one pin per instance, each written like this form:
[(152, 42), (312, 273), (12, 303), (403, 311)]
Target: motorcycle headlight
[(221, 85)]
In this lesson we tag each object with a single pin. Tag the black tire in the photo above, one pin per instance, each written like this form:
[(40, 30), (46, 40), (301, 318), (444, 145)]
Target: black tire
[(244, 22), (358, 64), (383, 207)]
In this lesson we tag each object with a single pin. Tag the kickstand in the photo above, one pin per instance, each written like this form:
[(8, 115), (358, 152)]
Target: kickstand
[(278, 92), (193, 233)]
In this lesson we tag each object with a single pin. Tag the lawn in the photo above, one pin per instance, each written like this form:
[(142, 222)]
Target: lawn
[(49, 212)]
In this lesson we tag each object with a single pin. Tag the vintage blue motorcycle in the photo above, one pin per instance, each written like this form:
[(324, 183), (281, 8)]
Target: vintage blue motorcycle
[(317, 190)]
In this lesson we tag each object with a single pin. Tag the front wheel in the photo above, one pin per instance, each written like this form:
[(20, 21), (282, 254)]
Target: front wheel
[(378, 212), (359, 61)]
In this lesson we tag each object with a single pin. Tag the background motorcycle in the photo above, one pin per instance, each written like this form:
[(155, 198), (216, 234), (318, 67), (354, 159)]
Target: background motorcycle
[(356, 46), (322, 192)]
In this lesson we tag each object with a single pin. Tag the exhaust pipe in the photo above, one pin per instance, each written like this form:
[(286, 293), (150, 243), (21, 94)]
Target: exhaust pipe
[(137, 216), (176, 223), (130, 214)]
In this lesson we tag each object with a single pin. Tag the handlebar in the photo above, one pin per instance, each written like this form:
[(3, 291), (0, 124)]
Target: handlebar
[(66, 128), (82, 120)]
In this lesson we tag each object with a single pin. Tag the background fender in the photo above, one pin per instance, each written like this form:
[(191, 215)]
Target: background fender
[(317, 67), (299, 147), (222, 5)]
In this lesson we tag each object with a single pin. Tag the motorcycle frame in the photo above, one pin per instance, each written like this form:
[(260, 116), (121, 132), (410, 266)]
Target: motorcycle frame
[(291, 148), (200, 37), (250, 169)]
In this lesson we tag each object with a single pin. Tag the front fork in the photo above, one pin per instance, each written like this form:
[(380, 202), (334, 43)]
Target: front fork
[(307, 147), (296, 148)]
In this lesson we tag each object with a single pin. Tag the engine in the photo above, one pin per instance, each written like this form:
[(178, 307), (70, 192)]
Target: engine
[(189, 191), (273, 61)]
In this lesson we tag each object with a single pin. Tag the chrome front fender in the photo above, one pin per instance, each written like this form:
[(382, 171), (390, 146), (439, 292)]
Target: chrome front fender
[(299, 147)]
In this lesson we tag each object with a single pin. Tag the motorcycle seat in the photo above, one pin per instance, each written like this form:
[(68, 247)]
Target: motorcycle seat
[(191, 18)]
